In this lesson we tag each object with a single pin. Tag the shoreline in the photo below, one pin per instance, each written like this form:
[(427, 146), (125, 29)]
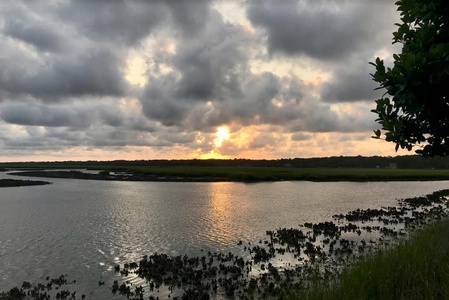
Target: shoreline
[(139, 177), (119, 177)]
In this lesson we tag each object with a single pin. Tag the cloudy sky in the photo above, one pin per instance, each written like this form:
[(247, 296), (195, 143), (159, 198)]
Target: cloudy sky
[(108, 79)]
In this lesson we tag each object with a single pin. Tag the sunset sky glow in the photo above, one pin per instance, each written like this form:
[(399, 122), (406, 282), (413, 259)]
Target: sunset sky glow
[(106, 80)]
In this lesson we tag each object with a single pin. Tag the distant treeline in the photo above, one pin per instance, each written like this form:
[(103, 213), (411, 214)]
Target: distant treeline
[(402, 162)]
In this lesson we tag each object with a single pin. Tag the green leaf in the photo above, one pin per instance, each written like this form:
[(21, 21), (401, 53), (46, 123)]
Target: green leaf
[(417, 81)]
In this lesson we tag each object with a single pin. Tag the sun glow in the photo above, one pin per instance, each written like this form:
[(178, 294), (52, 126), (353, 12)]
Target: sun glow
[(135, 69), (222, 134)]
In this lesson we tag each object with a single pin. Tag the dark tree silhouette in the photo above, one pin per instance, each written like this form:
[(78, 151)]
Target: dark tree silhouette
[(415, 109)]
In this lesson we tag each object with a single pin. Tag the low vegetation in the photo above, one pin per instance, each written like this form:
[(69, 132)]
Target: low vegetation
[(285, 173), (371, 162), (417, 268), (356, 168), (16, 183), (244, 174)]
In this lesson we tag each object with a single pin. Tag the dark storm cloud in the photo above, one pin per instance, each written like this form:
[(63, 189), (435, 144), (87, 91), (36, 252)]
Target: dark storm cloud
[(95, 73), (258, 92), (140, 123), (263, 99), (211, 62), (212, 84), (301, 136), (189, 16), (268, 99), (207, 68), (160, 102), (64, 62), (198, 78), (37, 24), (74, 115), (41, 115), (324, 117), (95, 137), (42, 36), (114, 20), (97, 125), (350, 83), (63, 67), (326, 30), (321, 119)]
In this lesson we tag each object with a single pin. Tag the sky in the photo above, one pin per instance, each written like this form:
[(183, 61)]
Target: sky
[(257, 79)]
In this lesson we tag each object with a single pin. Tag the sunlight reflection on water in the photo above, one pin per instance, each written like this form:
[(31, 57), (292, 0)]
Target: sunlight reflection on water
[(84, 228)]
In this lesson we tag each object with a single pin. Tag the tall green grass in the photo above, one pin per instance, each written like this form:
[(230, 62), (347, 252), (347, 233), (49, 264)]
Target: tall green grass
[(278, 173), (246, 173), (414, 269)]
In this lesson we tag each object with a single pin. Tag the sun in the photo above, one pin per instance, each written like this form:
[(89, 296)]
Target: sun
[(221, 135)]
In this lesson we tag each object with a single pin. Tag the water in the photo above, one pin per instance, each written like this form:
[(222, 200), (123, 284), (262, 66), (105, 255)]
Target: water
[(84, 228)]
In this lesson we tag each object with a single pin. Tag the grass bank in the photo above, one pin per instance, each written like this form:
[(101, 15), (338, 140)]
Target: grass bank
[(282, 173), (17, 183), (243, 173), (415, 269), (250, 174)]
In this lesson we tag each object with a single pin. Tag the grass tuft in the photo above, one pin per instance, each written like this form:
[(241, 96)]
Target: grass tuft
[(417, 268)]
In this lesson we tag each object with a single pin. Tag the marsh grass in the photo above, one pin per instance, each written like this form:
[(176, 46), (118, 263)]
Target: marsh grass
[(417, 268), (243, 173), (280, 173), (16, 183)]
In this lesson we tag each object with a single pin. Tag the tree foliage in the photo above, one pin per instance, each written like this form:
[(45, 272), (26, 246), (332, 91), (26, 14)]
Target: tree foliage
[(414, 111)]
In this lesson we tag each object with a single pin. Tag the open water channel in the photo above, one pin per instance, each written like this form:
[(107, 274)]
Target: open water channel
[(84, 228)]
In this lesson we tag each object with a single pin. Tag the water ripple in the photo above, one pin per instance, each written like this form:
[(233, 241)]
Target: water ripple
[(84, 228)]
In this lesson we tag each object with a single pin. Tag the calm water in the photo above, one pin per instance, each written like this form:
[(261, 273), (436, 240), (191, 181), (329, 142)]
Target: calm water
[(84, 228)]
